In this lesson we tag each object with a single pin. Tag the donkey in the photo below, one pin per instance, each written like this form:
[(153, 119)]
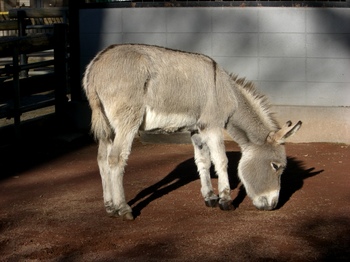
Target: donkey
[(133, 87)]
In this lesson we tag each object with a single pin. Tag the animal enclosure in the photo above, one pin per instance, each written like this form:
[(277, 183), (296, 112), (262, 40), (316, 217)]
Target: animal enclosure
[(28, 83)]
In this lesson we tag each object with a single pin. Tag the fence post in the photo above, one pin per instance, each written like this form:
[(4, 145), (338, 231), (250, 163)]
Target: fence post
[(16, 94), (61, 68), (21, 14)]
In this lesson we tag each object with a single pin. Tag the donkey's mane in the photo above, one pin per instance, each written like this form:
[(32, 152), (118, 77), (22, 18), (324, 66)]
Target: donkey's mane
[(259, 102)]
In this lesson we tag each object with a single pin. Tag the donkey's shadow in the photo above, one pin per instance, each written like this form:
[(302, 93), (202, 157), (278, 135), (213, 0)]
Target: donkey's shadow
[(186, 172), (293, 179)]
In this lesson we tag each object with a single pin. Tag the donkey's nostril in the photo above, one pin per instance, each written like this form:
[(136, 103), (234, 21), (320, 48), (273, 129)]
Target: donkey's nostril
[(274, 203), (262, 203)]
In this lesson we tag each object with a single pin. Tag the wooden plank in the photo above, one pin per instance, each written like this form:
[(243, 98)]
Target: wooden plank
[(9, 25), (7, 111), (40, 12), (12, 24), (28, 86), (25, 44)]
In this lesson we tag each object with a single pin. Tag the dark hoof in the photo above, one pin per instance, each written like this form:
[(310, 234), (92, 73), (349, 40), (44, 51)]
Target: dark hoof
[(128, 217), (211, 202), (226, 206), (112, 213)]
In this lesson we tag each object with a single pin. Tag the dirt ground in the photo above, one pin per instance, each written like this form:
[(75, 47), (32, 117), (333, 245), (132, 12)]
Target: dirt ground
[(51, 209)]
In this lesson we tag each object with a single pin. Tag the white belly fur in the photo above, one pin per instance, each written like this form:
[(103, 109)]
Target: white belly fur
[(167, 122)]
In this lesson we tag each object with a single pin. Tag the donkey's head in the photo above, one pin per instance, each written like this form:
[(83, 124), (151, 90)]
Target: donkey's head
[(261, 167)]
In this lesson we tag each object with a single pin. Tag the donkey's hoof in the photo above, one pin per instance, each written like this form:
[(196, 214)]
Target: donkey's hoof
[(112, 213), (211, 202), (128, 217), (226, 206)]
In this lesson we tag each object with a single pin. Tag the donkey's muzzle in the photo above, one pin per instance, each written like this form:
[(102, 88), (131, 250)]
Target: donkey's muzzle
[(264, 204)]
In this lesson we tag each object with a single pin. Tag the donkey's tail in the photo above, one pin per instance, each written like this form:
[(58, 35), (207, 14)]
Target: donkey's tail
[(100, 125)]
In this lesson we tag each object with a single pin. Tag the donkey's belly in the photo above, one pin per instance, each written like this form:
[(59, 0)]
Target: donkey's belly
[(169, 122)]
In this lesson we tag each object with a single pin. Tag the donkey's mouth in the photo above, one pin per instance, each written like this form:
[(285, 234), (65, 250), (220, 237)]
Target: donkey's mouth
[(262, 203), (266, 208)]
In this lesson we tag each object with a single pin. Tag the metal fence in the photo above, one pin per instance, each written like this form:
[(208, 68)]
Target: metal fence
[(191, 3), (33, 24)]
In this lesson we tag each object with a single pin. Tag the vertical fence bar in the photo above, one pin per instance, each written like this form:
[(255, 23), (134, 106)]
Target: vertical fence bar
[(16, 94), (21, 14), (61, 68)]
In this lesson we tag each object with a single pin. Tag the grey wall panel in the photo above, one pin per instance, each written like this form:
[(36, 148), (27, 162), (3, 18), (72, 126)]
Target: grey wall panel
[(298, 56)]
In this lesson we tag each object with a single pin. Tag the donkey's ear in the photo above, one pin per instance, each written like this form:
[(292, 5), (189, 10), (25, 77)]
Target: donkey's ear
[(280, 136)]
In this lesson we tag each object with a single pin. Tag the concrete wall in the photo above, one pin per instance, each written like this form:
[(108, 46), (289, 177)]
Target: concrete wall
[(299, 57)]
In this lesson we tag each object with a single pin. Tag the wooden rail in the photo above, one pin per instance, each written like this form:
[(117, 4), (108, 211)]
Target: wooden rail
[(41, 12), (25, 44)]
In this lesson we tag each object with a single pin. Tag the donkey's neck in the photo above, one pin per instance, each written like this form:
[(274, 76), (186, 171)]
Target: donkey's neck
[(252, 120)]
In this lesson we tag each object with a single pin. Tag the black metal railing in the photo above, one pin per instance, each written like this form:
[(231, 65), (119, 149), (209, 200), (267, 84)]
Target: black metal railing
[(191, 3)]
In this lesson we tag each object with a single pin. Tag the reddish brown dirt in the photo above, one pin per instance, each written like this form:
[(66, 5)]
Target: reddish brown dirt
[(53, 210)]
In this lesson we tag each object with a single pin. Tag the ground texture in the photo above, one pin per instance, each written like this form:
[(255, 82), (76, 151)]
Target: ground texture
[(52, 210)]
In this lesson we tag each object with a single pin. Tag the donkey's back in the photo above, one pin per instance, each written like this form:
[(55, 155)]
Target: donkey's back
[(171, 89)]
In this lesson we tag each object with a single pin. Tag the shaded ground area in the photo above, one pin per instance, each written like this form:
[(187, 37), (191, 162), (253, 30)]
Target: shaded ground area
[(53, 210)]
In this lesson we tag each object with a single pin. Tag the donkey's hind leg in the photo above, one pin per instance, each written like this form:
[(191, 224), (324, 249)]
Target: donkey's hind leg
[(103, 149), (202, 159), (112, 181), (118, 154)]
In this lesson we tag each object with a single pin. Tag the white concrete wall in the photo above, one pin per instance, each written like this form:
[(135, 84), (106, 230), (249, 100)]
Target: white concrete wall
[(297, 56)]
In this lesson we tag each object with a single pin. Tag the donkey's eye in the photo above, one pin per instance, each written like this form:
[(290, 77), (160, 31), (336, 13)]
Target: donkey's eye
[(275, 166)]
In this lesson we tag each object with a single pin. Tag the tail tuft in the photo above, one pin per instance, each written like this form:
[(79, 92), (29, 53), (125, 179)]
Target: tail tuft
[(100, 125)]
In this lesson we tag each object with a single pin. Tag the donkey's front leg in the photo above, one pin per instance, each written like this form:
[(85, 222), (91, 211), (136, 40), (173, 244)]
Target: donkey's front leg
[(202, 159), (216, 146)]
